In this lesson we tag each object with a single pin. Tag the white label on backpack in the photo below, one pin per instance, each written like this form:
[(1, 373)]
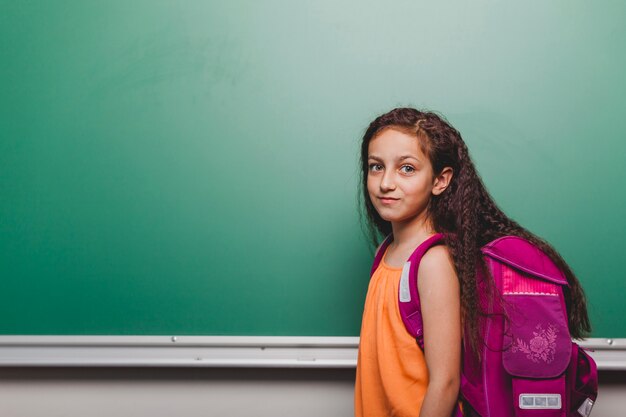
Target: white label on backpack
[(585, 409), (405, 292), (540, 401)]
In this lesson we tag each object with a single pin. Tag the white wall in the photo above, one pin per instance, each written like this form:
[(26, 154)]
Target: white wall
[(190, 392)]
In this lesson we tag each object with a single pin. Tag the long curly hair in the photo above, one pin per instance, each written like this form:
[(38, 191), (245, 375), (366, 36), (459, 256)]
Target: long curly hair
[(466, 213)]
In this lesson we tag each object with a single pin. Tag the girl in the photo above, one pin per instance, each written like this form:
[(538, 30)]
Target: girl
[(418, 179)]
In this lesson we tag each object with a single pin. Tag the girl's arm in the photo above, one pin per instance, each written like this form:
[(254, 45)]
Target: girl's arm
[(441, 313)]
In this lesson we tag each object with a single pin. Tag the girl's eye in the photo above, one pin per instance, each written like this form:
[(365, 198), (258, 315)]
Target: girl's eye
[(375, 167), (407, 169)]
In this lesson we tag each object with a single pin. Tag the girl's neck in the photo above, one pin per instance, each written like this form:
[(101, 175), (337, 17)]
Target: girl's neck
[(412, 232)]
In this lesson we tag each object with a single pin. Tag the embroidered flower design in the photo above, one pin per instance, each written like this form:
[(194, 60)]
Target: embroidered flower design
[(538, 344), (541, 347)]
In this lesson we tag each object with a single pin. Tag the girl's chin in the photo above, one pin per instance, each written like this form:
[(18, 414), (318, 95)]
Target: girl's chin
[(396, 219), (392, 219)]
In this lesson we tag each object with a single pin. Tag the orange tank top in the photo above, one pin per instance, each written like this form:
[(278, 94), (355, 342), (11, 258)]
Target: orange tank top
[(391, 373)]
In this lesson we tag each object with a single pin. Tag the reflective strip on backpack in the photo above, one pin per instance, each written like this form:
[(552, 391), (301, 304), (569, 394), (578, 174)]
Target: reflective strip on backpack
[(405, 289), (540, 401), (585, 409)]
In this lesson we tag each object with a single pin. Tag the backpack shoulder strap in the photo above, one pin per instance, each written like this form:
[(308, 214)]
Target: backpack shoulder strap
[(408, 297)]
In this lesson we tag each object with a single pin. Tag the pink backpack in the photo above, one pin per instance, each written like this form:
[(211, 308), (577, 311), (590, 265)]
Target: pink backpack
[(531, 369)]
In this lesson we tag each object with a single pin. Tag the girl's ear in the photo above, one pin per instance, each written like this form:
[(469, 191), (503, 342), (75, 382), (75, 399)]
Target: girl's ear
[(442, 180)]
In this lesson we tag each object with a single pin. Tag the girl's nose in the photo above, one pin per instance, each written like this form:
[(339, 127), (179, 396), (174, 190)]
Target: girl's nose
[(387, 183)]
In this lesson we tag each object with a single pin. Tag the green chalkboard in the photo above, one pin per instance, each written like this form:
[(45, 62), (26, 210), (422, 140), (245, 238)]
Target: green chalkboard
[(190, 167)]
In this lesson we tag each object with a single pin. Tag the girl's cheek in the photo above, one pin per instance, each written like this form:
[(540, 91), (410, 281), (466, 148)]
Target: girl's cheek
[(370, 188)]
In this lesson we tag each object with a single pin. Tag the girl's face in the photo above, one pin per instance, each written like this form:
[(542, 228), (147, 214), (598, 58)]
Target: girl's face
[(400, 178)]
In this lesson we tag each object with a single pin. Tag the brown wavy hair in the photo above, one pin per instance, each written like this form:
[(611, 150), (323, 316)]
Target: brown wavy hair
[(466, 212)]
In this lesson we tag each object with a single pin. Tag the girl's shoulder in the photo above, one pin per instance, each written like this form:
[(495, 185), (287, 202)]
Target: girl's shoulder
[(436, 265), (437, 254)]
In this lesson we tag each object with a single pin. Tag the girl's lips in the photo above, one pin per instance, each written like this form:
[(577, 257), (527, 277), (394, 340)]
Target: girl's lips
[(388, 200)]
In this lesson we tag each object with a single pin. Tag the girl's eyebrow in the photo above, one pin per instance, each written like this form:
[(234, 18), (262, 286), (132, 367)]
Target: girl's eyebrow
[(400, 158)]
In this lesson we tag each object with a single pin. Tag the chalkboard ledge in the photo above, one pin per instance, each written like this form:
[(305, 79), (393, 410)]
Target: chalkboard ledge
[(218, 351)]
